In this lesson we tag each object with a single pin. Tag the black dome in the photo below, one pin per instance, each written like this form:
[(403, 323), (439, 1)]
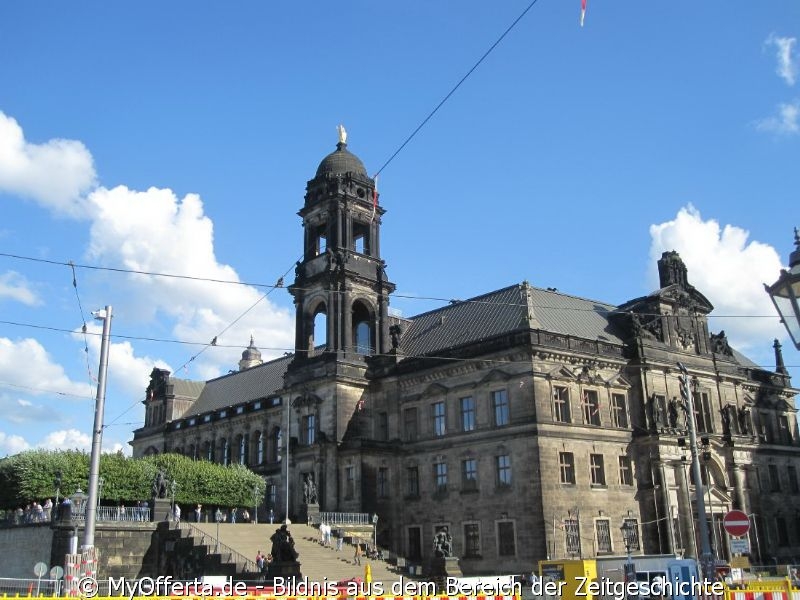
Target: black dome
[(341, 161)]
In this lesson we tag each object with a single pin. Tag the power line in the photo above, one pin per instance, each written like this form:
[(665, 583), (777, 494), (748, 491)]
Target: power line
[(395, 295), (458, 85)]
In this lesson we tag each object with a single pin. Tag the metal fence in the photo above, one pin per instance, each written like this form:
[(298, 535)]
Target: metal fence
[(30, 587), (226, 553), (338, 518), (115, 513)]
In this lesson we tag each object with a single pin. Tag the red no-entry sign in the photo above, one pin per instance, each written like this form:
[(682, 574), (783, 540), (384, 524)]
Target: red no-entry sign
[(736, 523)]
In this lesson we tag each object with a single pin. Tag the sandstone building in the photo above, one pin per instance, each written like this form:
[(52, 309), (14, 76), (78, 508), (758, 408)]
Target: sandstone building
[(531, 423)]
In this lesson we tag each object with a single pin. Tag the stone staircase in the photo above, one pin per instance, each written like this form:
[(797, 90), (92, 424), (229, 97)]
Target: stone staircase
[(317, 562)]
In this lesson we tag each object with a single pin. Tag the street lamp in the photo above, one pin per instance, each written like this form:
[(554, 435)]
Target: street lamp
[(785, 293), (57, 485), (217, 518), (375, 530), (255, 504), (628, 537)]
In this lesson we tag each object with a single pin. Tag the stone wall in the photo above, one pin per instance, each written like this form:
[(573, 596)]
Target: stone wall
[(23, 547)]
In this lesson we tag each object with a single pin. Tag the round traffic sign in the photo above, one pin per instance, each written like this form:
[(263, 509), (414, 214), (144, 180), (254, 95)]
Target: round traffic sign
[(736, 523), (57, 572), (39, 569)]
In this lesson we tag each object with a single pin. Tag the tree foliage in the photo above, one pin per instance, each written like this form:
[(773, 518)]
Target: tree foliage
[(32, 475)]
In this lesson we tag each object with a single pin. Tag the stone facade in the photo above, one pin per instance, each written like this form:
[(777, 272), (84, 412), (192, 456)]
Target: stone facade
[(531, 423)]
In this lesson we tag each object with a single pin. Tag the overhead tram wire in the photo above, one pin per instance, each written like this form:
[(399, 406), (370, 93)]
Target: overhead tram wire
[(214, 340), (457, 85), (395, 295), (92, 379)]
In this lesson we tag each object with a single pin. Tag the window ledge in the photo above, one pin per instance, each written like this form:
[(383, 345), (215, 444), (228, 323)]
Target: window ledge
[(599, 486)]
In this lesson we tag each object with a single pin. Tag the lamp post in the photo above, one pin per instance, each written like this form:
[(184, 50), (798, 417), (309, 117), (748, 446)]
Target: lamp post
[(375, 531), (786, 291), (217, 518), (57, 485), (628, 533), (97, 431), (255, 504)]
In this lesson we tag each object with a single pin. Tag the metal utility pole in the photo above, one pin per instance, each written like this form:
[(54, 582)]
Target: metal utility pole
[(97, 432), (286, 521), (706, 556)]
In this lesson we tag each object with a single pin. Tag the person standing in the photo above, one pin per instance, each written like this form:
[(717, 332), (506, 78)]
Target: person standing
[(198, 512), (357, 554), (176, 513)]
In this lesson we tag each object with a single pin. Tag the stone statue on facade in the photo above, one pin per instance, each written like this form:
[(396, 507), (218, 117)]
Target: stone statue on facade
[(673, 413), (743, 417), (309, 490), (443, 544), (395, 331)]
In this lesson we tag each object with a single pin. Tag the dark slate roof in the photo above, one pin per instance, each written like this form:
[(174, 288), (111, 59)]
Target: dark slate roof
[(503, 311), (241, 386), (341, 161), (186, 388)]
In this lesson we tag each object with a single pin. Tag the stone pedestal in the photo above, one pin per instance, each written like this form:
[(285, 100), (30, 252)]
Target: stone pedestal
[(442, 567), (311, 513), (285, 569), (162, 509)]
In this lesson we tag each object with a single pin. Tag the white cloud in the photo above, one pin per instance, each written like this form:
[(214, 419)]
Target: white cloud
[(728, 270), (66, 439), (155, 231), (55, 174), (15, 286), (28, 365), (787, 122), (784, 52), (12, 444)]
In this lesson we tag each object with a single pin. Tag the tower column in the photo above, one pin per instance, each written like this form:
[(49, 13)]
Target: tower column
[(347, 313), (738, 487)]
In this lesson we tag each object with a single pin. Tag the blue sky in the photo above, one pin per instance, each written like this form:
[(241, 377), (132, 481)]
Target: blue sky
[(178, 137)]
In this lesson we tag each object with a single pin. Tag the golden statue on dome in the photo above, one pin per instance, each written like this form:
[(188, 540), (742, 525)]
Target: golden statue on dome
[(342, 134)]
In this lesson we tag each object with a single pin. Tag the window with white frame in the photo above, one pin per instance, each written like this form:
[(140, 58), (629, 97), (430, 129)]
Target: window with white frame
[(561, 412)]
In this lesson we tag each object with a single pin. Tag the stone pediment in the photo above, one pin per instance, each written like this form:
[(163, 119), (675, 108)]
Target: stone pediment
[(494, 375), (434, 390), (561, 372), (618, 380)]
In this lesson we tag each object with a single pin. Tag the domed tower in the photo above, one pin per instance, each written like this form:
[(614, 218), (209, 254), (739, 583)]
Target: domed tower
[(251, 357), (340, 291)]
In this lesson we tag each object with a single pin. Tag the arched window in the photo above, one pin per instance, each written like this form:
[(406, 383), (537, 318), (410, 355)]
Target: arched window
[(274, 453), (242, 443), (259, 447), (363, 338), (319, 335), (224, 450)]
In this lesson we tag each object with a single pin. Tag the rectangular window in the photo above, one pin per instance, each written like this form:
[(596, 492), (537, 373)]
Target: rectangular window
[(591, 407), (472, 540), (774, 479), (309, 429), (597, 469), (793, 486), (383, 426), (783, 430), (506, 542), (440, 476), (415, 543), (439, 420), (410, 424), (260, 448), (572, 534), (383, 482), (566, 465), (500, 406), (350, 482), (412, 481), (272, 495), (469, 474), (467, 413), (619, 410), (630, 532), (603, 529), (503, 470), (702, 412), (783, 532), (625, 471), (561, 412)]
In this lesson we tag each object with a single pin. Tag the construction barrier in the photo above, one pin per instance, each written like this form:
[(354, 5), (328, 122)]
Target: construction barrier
[(763, 590)]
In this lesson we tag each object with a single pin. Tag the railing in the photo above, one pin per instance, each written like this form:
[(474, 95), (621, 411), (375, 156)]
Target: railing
[(115, 513), (226, 553), (30, 587), (337, 518)]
